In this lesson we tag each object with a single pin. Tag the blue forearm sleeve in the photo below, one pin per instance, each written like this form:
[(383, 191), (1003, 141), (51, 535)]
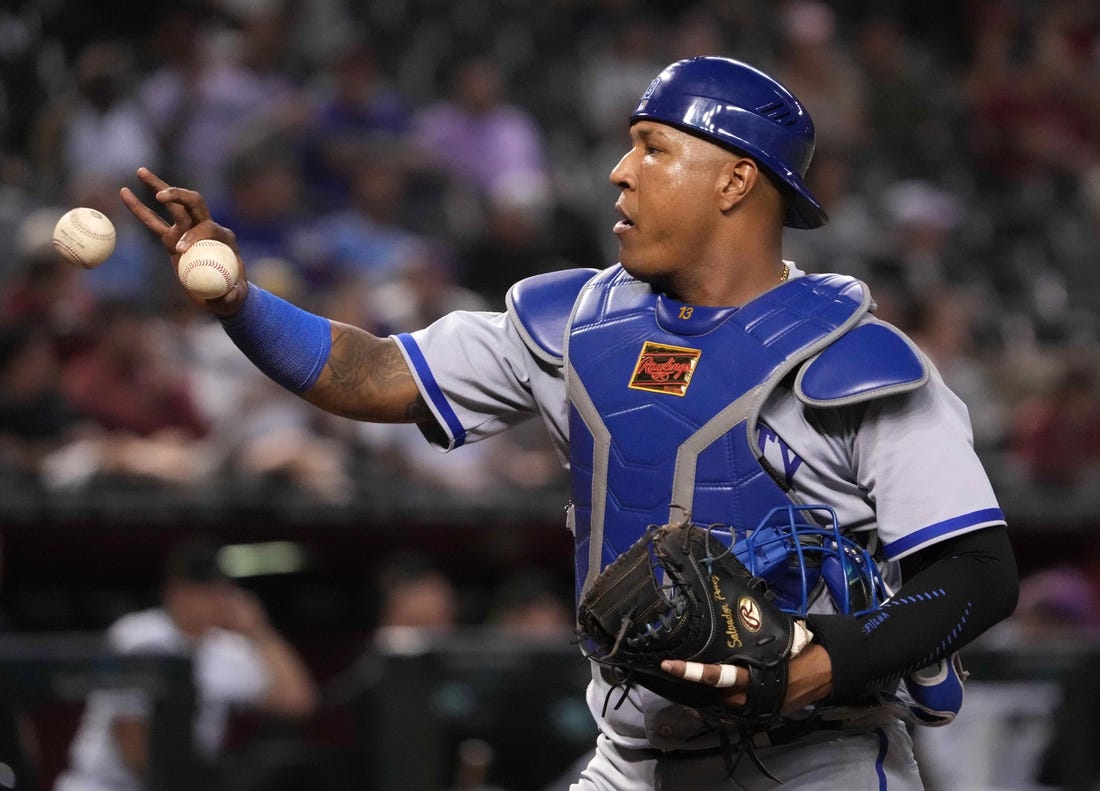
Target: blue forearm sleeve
[(288, 344)]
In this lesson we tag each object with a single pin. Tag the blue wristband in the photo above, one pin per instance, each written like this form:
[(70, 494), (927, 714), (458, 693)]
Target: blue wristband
[(287, 343)]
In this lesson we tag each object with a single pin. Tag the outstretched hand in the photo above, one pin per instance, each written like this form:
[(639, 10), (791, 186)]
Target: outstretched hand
[(191, 221)]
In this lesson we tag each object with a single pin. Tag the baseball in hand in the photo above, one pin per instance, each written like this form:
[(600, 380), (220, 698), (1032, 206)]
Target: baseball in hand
[(208, 269), (84, 236)]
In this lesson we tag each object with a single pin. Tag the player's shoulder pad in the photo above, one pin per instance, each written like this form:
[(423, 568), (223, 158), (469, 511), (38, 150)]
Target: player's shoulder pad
[(540, 306), (871, 360)]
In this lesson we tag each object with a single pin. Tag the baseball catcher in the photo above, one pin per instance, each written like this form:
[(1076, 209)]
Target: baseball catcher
[(708, 387)]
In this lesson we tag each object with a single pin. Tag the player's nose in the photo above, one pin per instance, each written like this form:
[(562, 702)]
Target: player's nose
[(622, 175)]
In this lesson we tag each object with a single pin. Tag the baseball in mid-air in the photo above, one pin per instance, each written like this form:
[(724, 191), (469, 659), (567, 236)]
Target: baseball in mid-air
[(208, 269), (84, 236)]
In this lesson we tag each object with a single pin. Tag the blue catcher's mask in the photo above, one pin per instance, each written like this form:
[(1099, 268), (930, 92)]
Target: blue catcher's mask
[(798, 557)]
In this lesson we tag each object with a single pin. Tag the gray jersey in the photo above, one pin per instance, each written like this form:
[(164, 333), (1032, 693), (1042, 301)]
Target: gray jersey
[(479, 377)]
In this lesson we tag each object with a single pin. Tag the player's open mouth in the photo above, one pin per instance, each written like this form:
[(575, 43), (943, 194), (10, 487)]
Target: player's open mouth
[(623, 225)]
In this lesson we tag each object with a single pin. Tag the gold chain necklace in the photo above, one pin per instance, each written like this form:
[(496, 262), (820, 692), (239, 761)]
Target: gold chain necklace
[(786, 272)]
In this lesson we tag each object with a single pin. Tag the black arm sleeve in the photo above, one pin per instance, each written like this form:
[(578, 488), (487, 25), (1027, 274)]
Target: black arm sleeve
[(953, 591)]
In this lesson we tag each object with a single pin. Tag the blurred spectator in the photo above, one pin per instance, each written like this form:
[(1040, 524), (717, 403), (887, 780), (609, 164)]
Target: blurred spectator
[(239, 660), (100, 128), (846, 243), (525, 232), (943, 323), (47, 437), (219, 89), (355, 111), (35, 417), (316, 30), (1058, 605), (423, 288), (503, 465), (529, 606), (263, 202), (814, 63), (911, 102), (1032, 88), (123, 382), (917, 253), (616, 71), (366, 239), (475, 135), (45, 289), (412, 593), (1056, 434), (22, 88), (615, 61)]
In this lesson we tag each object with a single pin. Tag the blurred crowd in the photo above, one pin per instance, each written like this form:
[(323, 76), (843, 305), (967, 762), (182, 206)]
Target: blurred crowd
[(383, 163)]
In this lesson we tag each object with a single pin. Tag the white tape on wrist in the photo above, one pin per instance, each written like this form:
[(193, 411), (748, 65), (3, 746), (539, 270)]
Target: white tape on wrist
[(802, 637)]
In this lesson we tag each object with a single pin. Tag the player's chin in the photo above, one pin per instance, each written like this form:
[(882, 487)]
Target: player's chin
[(636, 267), (631, 261)]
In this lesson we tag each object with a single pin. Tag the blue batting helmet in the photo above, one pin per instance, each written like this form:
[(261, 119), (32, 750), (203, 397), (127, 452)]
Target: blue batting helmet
[(740, 108)]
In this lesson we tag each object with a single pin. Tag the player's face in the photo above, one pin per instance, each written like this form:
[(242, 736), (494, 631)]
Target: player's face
[(668, 202)]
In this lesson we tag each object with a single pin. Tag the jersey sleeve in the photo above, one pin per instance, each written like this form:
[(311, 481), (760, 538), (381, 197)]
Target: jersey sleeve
[(914, 457), (477, 376)]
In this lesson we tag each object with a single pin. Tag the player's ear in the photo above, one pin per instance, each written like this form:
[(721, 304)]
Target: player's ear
[(736, 178)]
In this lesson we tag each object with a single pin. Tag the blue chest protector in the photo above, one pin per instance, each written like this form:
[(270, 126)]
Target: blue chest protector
[(664, 397)]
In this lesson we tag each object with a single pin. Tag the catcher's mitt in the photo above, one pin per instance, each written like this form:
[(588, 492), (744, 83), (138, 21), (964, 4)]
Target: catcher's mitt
[(680, 593)]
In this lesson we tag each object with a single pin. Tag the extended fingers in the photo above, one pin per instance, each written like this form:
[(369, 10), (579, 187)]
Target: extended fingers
[(151, 179), (149, 218), (187, 207), (189, 202), (179, 208), (721, 676)]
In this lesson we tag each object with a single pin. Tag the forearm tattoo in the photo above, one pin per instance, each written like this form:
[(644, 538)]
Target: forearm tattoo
[(363, 365), (347, 362)]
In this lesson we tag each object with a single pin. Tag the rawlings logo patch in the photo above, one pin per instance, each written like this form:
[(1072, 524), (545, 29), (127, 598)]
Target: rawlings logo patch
[(664, 369), (750, 614)]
